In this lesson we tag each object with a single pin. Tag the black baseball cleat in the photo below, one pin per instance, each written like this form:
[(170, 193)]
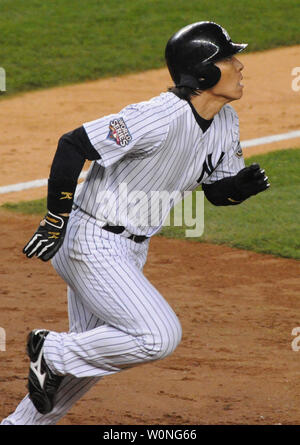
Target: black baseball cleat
[(42, 383)]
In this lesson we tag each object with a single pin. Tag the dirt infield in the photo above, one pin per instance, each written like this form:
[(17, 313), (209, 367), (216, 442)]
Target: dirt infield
[(235, 364)]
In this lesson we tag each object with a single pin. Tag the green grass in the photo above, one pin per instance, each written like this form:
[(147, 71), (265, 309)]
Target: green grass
[(35, 207), (57, 42), (267, 222)]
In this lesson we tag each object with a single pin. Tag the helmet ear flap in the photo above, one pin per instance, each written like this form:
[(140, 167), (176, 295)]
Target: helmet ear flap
[(202, 78), (187, 80), (208, 76)]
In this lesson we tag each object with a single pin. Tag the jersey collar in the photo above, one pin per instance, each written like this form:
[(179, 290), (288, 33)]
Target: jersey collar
[(204, 124)]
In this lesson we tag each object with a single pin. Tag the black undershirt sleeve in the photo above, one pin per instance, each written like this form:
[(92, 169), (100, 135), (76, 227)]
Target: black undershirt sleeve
[(73, 149)]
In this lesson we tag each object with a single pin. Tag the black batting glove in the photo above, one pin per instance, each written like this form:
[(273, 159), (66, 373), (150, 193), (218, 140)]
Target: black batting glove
[(48, 238), (250, 181)]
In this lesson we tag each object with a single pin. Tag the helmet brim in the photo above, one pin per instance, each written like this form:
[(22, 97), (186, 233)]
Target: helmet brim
[(238, 47), (231, 50)]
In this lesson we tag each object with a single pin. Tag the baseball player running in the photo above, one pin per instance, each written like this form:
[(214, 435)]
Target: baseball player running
[(185, 137)]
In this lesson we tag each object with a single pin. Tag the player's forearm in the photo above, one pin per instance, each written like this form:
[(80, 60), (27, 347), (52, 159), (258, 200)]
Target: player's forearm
[(72, 151), (65, 170)]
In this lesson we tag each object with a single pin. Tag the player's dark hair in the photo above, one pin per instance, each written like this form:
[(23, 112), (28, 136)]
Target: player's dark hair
[(184, 92)]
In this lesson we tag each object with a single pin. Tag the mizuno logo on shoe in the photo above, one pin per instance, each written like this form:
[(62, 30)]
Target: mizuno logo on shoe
[(36, 368)]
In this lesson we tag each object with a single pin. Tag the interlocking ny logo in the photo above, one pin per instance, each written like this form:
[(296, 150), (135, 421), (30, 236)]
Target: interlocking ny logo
[(2, 79), (208, 167)]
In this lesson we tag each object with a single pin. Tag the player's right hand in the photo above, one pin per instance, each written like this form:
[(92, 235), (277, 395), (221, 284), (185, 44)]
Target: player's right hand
[(48, 238), (251, 180)]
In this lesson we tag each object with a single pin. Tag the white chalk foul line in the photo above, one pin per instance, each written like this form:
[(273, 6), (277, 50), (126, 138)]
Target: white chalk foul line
[(270, 139), (29, 185), (245, 144)]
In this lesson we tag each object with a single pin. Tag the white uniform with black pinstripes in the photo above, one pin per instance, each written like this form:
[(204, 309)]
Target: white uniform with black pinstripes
[(117, 318)]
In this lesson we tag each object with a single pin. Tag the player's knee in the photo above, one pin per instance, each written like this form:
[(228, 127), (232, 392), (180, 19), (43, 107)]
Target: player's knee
[(163, 341), (170, 340)]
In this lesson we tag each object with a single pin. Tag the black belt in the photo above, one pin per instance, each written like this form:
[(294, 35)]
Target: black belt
[(118, 229), (121, 229)]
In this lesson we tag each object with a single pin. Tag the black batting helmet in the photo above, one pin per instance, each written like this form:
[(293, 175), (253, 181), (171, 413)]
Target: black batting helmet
[(191, 52)]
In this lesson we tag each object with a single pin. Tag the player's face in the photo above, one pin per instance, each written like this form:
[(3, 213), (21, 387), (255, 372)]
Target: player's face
[(229, 86)]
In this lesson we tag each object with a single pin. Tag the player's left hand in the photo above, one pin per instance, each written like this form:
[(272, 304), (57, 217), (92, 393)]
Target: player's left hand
[(251, 180), (48, 238)]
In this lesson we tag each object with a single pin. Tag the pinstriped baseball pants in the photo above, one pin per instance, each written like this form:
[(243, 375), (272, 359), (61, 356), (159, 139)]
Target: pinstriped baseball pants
[(117, 318)]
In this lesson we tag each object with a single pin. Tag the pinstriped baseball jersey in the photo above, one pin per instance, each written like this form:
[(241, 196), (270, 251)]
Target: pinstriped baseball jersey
[(156, 145)]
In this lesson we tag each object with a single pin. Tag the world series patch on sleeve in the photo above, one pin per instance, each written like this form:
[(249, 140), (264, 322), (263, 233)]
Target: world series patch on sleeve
[(119, 132)]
